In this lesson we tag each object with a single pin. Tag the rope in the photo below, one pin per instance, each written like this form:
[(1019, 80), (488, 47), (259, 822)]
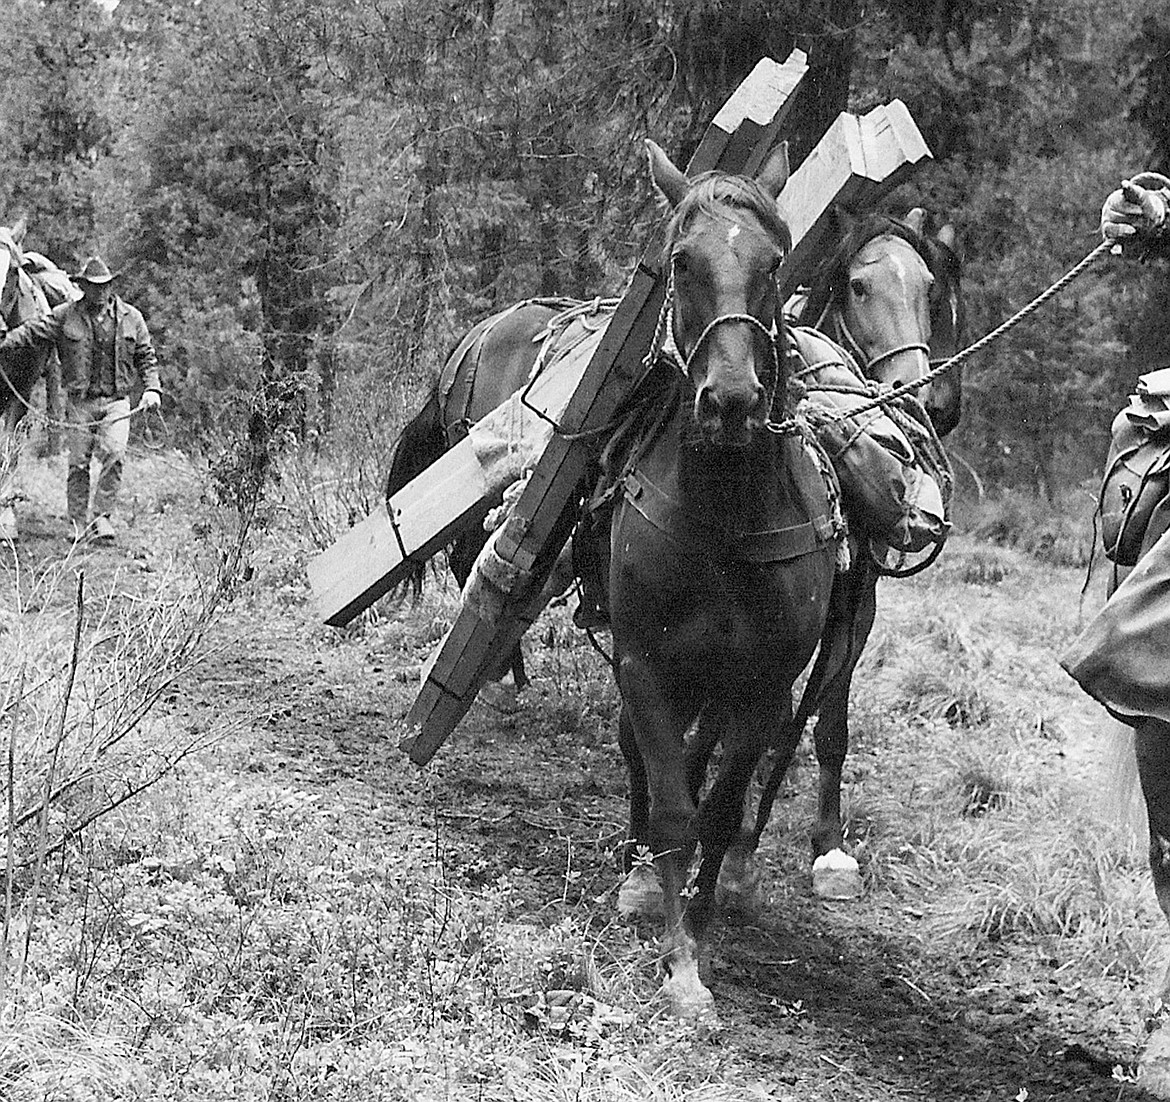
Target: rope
[(916, 384), (46, 419)]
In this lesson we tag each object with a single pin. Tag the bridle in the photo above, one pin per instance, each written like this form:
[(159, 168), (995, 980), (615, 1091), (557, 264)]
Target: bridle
[(666, 344), (835, 316), (850, 344)]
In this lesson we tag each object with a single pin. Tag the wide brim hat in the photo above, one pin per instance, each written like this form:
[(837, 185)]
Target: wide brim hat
[(94, 270)]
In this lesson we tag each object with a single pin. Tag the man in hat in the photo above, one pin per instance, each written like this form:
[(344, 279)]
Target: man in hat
[(105, 349)]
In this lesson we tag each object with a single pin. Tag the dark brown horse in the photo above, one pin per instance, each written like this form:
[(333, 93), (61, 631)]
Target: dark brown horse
[(490, 364), (722, 553)]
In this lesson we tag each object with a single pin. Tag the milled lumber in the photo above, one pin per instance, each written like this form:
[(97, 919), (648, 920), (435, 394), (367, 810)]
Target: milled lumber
[(541, 520), (453, 492), (855, 164)]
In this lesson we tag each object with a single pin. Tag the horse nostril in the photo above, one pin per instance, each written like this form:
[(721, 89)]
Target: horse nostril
[(706, 405)]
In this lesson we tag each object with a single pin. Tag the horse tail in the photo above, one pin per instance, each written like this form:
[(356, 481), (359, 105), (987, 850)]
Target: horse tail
[(1121, 795), (422, 441)]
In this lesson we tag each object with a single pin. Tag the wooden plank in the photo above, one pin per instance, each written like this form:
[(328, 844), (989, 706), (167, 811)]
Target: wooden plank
[(456, 490), (542, 518), (908, 138), (753, 113), (854, 165)]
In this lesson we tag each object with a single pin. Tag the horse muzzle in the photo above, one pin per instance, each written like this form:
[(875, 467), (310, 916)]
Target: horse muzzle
[(730, 418)]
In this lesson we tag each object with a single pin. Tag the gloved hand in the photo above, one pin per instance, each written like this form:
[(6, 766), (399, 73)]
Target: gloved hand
[(1132, 210), (151, 399)]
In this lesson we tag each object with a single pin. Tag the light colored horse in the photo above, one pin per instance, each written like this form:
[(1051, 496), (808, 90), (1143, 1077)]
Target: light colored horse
[(30, 285)]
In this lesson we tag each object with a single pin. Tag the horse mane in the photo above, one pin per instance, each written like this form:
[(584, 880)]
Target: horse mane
[(712, 191)]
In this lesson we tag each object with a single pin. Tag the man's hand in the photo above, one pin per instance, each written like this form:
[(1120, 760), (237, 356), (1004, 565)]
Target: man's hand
[(1132, 210), (151, 399)]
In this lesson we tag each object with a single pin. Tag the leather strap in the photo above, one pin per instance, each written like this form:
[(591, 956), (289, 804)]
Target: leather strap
[(684, 528)]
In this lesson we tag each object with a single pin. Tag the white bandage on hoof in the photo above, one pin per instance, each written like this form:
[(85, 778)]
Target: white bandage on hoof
[(640, 895), (836, 875)]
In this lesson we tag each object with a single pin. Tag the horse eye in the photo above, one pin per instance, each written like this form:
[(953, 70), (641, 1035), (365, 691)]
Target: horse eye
[(857, 286), (680, 262)]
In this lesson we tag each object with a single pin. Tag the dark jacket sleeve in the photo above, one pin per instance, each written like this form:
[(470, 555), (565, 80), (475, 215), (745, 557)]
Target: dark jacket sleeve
[(145, 359), (44, 329)]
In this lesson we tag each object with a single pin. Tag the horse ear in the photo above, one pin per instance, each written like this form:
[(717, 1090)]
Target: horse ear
[(916, 220), (20, 229), (947, 236), (774, 174), (669, 180)]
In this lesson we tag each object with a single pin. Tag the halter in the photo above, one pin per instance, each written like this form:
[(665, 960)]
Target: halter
[(855, 350), (669, 346)]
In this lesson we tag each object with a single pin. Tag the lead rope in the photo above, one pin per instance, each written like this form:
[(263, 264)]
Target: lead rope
[(885, 397), (984, 341)]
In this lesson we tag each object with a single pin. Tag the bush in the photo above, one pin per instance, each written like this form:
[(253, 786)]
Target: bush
[(1061, 532)]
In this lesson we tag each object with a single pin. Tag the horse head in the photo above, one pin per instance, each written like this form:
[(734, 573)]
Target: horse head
[(890, 294), (725, 242)]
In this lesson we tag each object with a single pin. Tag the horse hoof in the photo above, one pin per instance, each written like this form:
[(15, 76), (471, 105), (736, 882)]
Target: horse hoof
[(691, 1001), (1154, 1068), (836, 876), (640, 895)]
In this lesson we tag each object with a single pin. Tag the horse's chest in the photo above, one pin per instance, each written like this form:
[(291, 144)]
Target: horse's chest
[(741, 608)]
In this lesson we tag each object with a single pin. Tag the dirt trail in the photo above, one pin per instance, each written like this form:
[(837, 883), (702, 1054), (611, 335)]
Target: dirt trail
[(852, 1002)]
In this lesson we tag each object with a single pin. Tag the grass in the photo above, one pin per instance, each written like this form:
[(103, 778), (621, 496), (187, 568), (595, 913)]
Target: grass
[(232, 932)]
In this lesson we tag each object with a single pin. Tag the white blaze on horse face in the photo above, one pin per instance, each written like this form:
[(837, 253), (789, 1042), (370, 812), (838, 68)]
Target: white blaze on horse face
[(888, 307), (732, 234)]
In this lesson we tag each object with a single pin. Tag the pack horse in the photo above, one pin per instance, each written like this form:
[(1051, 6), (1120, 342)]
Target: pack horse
[(716, 519), (722, 550)]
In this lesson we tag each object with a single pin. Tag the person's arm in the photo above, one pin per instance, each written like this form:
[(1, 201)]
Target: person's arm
[(146, 364), (44, 329)]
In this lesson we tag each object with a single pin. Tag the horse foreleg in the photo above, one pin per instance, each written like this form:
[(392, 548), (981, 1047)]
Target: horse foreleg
[(724, 826), (835, 873), (658, 715), (739, 875), (640, 895)]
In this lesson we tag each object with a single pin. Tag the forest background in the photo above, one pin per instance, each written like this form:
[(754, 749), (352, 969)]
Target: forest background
[(311, 200)]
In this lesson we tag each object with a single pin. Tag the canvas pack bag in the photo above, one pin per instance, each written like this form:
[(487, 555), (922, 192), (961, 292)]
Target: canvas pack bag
[(1137, 470), (893, 488), (1121, 656)]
